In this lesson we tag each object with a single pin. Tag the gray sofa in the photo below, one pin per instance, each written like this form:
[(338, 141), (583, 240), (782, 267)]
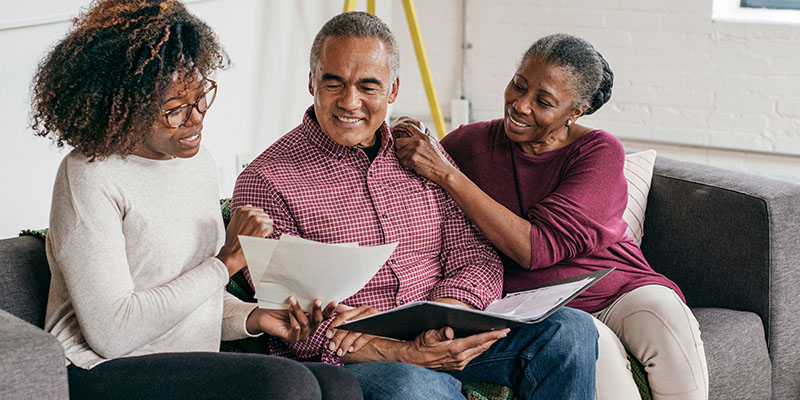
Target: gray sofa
[(730, 240)]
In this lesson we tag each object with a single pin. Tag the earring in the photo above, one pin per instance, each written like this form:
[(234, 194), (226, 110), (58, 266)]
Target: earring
[(568, 124)]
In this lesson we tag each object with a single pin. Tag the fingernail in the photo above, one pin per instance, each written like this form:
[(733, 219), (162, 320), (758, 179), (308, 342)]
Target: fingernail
[(331, 346), (339, 352), (350, 350), (292, 300), (329, 335), (317, 303)]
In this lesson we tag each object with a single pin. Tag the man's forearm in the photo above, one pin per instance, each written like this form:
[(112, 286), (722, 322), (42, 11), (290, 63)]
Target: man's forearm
[(377, 349), (453, 301)]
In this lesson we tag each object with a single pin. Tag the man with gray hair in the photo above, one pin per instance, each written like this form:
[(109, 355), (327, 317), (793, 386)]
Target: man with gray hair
[(335, 179)]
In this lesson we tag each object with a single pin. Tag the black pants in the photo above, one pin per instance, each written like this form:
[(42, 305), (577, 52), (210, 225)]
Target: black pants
[(211, 376)]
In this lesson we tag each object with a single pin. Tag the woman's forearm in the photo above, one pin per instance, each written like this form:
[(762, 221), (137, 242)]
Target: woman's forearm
[(510, 233)]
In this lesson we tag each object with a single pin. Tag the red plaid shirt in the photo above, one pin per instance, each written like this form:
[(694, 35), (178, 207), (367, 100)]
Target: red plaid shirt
[(317, 189)]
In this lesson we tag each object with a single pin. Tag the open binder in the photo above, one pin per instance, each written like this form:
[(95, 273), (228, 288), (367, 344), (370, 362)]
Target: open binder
[(527, 306)]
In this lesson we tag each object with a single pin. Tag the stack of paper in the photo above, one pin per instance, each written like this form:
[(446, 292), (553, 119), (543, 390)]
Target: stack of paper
[(309, 270)]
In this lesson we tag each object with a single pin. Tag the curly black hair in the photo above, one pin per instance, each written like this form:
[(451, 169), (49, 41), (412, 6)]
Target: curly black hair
[(101, 89)]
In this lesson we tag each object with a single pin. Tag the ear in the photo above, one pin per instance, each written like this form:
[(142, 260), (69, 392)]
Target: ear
[(310, 84), (576, 113), (394, 90)]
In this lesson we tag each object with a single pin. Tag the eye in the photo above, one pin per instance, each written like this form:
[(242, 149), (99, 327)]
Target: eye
[(174, 111), (334, 86), (518, 87), (369, 89), (544, 103)]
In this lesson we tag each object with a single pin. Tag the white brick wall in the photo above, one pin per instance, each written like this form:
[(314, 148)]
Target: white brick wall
[(714, 92)]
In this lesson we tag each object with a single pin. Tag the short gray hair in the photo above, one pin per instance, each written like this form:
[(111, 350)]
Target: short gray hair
[(592, 76), (358, 24)]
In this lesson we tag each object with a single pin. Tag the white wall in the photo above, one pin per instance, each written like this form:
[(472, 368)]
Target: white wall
[(721, 93), (709, 91), (260, 97)]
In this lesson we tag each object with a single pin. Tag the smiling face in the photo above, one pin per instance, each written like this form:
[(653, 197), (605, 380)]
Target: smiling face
[(538, 103), (164, 142), (352, 88)]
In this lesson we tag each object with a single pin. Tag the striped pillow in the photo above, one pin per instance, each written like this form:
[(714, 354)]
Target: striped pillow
[(639, 174)]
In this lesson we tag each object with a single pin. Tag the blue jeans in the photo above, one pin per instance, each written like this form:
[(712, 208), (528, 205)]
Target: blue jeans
[(554, 359)]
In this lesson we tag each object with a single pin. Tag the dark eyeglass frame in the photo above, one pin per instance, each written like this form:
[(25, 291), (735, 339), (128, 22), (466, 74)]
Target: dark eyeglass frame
[(192, 106)]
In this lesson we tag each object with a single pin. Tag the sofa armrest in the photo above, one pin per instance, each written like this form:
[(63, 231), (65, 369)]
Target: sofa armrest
[(731, 240), (31, 362)]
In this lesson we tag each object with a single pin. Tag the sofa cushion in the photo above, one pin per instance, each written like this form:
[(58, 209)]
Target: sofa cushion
[(32, 362), (739, 366), (639, 174), (26, 278)]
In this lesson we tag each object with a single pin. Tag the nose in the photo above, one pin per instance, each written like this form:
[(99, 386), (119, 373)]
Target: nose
[(522, 105), (350, 99), (195, 118)]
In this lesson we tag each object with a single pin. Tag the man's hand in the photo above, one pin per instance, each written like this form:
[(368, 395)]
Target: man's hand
[(292, 325), (436, 349), (246, 221), (343, 342)]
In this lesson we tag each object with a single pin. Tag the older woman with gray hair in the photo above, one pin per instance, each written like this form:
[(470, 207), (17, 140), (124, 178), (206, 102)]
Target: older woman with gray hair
[(550, 193)]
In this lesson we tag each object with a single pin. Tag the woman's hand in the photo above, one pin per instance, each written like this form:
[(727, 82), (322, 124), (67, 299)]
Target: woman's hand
[(292, 325), (343, 342), (246, 221), (418, 151), (404, 127)]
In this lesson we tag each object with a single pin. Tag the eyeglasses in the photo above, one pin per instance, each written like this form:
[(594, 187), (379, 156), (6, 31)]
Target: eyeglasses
[(177, 116)]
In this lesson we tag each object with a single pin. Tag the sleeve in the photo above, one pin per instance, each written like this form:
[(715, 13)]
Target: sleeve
[(252, 188), (473, 273), (88, 248), (583, 214), (234, 318)]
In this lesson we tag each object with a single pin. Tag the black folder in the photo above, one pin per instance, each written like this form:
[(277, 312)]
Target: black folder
[(409, 320)]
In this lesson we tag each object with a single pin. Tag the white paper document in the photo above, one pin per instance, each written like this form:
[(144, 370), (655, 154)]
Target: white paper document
[(532, 304), (309, 270)]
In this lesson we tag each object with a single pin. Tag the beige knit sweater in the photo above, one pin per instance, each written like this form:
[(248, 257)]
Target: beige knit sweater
[(131, 249)]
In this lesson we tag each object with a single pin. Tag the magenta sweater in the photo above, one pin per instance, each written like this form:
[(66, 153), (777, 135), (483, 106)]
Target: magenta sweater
[(574, 198)]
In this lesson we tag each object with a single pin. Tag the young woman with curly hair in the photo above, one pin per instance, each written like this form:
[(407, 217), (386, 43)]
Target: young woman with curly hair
[(137, 248)]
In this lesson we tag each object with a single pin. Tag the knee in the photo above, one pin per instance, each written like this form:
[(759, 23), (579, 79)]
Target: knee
[(576, 327), (335, 382), (282, 379), (655, 317)]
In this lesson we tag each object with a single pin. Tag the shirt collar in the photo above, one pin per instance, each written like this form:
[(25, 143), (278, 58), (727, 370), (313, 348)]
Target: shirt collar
[(319, 139)]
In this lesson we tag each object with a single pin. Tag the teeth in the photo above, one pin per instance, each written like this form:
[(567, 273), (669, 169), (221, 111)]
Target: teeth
[(517, 123), (190, 138), (347, 119)]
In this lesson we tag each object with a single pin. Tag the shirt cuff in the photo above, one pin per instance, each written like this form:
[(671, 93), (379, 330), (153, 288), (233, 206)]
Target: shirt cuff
[(479, 300), (234, 321)]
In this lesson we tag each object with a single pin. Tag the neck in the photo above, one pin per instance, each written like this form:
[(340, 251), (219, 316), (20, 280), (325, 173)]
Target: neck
[(553, 141)]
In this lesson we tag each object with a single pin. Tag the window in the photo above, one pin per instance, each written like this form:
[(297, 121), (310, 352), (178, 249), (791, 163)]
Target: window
[(785, 4)]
